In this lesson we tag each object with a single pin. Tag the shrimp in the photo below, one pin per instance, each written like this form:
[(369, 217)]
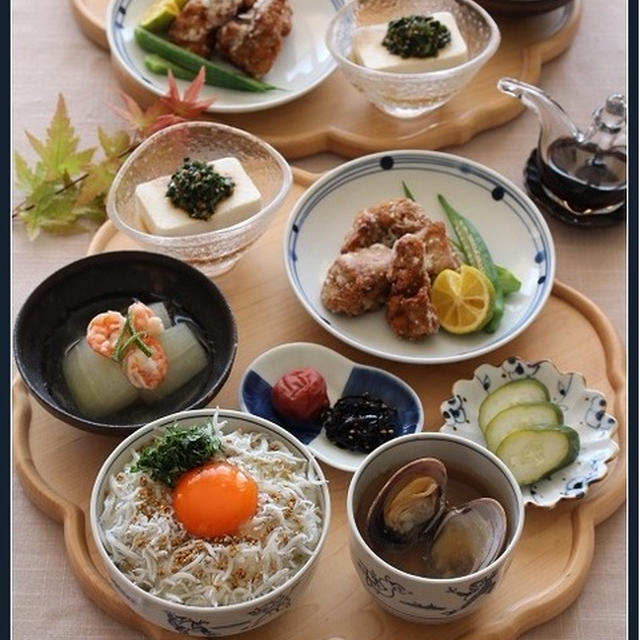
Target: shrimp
[(103, 332), (146, 372), (144, 320)]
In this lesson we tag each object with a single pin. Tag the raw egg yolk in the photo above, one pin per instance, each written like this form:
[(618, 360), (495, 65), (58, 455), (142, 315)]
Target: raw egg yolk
[(214, 500)]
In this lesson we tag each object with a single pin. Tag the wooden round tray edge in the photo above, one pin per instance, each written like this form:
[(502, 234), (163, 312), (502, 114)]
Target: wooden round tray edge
[(333, 137), (604, 504), (90, 23), (558, 595), (47, 500), (69, 515), (556, 598)]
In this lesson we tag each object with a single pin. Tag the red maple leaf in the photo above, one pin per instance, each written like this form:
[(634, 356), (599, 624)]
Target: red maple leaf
[(143, 121), (188, 106), (165, 111)]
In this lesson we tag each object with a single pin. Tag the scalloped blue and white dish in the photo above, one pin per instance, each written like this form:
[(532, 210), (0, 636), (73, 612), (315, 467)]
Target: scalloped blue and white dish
[(510, 223), (343, 377), (584, 410)]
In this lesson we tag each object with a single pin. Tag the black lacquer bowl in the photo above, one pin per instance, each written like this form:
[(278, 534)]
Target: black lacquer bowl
[(59, 309)]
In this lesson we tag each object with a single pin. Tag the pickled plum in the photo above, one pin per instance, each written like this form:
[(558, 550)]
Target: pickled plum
[(300, 394)]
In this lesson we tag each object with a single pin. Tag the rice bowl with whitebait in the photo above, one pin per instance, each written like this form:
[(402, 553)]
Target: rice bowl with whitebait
[(138, 527)]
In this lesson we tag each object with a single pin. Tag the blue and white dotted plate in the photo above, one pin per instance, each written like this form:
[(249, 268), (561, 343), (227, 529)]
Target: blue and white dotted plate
[(509, 222), (343, 377), (303, 63), (584, 410)]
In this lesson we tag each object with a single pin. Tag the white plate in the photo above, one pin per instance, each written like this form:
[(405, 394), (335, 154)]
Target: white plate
[(303, 63), (342, 377), (509, 222), (584, 410)]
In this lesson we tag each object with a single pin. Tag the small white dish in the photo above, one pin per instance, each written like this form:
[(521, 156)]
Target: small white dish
[(343, 377), (303, 63), (584, 410), (510, 223)]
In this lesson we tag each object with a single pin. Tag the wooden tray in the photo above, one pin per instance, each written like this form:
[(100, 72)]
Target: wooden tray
[(57, 463), (335, 117)]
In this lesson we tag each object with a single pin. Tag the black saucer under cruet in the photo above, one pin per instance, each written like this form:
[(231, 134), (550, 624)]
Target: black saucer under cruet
[(548, 206)]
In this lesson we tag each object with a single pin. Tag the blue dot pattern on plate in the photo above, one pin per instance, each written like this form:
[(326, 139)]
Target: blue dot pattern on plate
[(497, 193), (256, 394), (514, 201)]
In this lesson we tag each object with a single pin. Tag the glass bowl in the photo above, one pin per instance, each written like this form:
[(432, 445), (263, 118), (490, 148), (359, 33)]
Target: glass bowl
[(213, 252), (407, 95)]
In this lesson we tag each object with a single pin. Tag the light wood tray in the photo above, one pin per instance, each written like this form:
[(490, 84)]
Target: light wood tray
[(57, 464), (335, 117)]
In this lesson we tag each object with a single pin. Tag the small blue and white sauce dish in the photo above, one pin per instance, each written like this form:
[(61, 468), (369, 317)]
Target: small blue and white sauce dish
[(525, 412), (344, 379)]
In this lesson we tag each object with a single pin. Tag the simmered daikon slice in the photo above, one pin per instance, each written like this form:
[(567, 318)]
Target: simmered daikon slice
[(97, 384), (186, 357), (160, 309)]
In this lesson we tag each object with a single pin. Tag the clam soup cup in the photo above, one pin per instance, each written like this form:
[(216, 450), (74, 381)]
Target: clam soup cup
[(433, 600)]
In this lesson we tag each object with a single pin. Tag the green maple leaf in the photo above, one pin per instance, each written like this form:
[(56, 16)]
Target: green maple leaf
[(51, 210), (114, 145), (58, 156), (101, 175), (98, 180), (93, 211), (26, 179)]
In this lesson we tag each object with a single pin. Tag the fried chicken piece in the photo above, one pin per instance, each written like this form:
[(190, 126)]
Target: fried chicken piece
[(193, 27), (385, 223), (253, 40), (409, 310), (357, 281), (439, 252)]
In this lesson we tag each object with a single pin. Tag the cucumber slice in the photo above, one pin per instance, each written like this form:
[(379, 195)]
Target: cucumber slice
[(521, 416), (186, 357), (97, 384), (535, 452), (508, 395)]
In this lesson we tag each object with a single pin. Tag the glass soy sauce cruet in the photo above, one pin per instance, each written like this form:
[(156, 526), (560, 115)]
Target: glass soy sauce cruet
[(584, 172)]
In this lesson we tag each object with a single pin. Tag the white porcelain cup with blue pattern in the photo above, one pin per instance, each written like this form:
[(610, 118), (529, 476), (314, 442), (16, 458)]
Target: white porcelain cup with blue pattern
[(413, 597), (216, 620)]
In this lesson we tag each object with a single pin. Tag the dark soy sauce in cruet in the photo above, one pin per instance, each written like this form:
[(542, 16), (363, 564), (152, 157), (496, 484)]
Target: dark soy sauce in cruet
[(583, 175)]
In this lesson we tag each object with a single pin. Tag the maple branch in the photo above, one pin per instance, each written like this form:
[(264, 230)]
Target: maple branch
[(19, 208)]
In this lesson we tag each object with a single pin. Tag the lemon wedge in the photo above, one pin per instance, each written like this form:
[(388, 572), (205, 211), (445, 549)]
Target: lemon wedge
[(160, 15), (463, 300)]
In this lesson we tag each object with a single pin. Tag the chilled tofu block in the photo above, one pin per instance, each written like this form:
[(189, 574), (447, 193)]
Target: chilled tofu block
[(160, 216), (369, 51)]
